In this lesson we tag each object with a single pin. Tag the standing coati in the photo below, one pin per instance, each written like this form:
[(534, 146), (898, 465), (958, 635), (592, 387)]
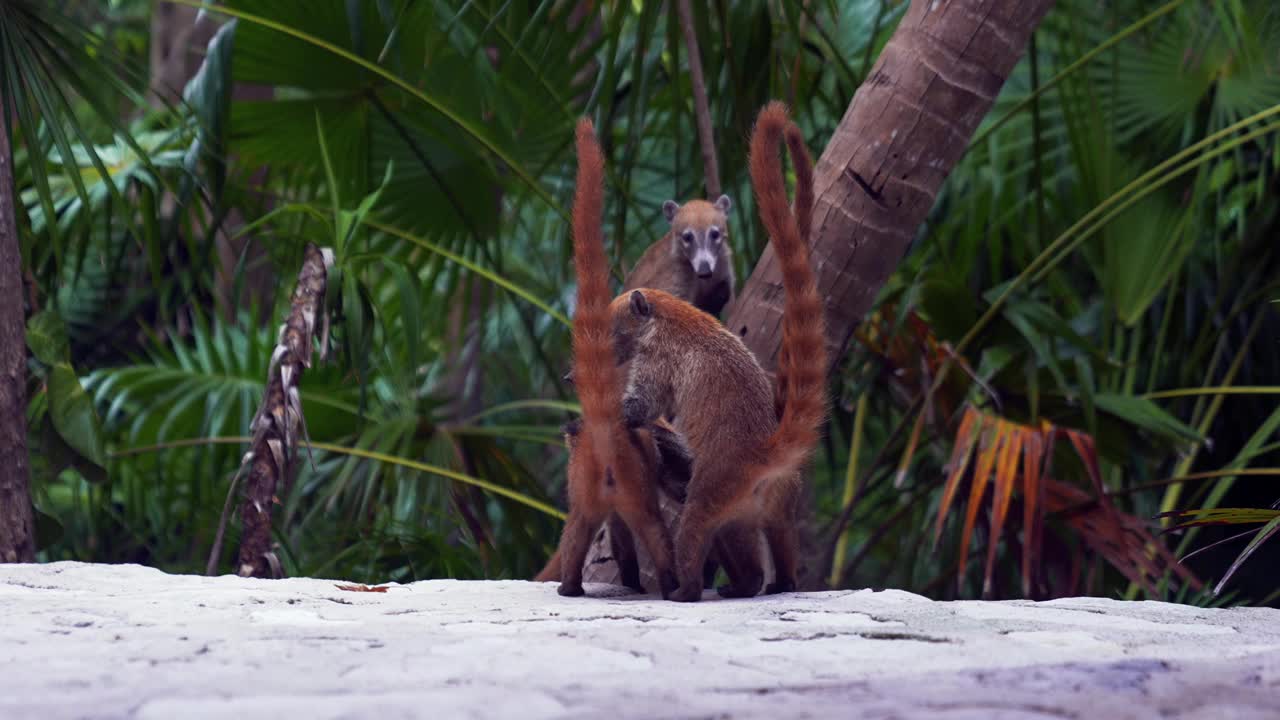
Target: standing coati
[(693, 260), (684, 364), (667, 464), (609, 473), (661, 266)]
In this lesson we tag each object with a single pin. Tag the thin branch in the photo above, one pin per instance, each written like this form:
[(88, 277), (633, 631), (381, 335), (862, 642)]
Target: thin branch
[(700, 108)]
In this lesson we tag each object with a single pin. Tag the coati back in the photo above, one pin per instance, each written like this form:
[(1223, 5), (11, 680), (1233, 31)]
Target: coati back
[(685, 364), (608, 473), (693, 260)]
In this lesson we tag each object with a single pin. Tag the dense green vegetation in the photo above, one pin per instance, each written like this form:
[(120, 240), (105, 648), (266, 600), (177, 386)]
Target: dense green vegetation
[(1096, 284)]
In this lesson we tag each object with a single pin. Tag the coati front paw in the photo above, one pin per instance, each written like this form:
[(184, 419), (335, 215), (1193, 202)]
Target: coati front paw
[(631, 578), (743, 583), (730, 590), (634, 412), (668, 583), (781, 586), (686, 593), (568, 590)]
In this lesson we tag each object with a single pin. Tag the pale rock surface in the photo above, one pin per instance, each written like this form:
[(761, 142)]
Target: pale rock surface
[(99, 641)]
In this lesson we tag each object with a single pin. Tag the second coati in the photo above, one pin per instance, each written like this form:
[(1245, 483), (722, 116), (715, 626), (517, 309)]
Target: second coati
[(684, 364), (693, 260), (667, 464), (609, 474)]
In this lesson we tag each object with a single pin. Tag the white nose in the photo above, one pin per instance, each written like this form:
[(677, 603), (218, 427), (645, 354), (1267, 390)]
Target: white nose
[(704, 263)]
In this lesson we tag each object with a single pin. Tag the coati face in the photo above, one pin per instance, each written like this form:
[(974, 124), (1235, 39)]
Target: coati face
[(632, 314), (699, 230)]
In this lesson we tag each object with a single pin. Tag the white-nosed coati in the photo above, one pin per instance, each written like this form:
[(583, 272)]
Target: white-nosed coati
[(684, 364), (693, 260), (668, 466), (610, 472)]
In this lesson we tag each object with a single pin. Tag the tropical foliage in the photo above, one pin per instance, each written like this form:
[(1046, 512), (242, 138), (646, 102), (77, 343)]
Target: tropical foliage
[(1082, 337)]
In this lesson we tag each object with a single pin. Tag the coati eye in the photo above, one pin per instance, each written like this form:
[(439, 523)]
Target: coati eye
[(714, 234), (687, 236)]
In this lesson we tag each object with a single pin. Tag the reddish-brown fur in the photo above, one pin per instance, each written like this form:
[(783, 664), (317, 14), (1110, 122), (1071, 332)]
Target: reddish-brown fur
[(803, 208), (684, 364), (608, 474)]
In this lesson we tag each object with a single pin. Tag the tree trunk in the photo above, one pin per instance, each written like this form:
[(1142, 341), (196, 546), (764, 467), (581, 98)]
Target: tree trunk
[(17, 524), (275, 427), (875, 183), (177, 45), (463, 384)]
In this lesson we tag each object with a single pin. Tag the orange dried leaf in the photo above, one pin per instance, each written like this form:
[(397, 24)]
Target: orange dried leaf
[(1088, 453), (364, 588), (910, 452), (1031, 507), (1001, 495), (987, 454), (961, 451)]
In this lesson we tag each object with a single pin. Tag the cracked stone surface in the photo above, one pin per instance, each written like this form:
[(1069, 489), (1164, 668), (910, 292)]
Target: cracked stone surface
[(107, 641)]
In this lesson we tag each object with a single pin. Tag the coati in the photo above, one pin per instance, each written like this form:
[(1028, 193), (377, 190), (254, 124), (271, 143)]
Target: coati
[(608, 473), (667, 464), (693, 260), (684, 364)]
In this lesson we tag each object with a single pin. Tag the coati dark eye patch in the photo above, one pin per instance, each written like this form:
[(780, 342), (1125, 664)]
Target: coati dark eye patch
[(687, 236)]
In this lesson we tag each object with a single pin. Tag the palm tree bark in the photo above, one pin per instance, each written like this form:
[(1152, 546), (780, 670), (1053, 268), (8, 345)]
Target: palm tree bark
[(908, 125), (17, 523), (275, 428)]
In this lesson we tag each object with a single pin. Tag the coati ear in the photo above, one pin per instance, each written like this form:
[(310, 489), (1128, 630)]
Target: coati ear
[(669, 209), (640, 306), (723, 204)]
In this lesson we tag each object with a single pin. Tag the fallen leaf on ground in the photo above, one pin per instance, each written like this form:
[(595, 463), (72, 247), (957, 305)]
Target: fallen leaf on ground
[(363, 588)]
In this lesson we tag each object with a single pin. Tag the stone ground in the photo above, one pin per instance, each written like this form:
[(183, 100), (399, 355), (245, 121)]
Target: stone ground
[(99, 641)]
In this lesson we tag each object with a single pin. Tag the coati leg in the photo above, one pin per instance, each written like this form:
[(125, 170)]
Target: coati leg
[(623, 547), (738, 547), (782, 532), (694, 536), (574, 543), (783, 540), (645, 521)]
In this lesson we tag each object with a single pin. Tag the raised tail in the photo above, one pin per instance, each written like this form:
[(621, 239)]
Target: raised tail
[(802, 368), (802, 207), (803, 165), (595, 371)]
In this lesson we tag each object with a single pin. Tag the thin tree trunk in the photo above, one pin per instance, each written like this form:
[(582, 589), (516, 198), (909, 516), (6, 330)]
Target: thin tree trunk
[(701, 109), (176, 45), (275, 427), (178, 51), (17, 524), (463, 383), (875, 183)]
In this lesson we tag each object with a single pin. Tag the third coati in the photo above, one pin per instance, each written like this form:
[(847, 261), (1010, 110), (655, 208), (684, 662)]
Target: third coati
[(693, 260), (684, 364), (667, 464), (609, 472)]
